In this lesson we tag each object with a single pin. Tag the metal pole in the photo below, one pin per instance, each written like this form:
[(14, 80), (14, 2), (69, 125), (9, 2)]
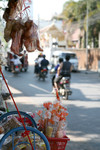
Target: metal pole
[(87, 38)]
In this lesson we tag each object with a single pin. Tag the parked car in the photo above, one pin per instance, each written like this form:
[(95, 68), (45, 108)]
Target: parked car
[(61, 54)]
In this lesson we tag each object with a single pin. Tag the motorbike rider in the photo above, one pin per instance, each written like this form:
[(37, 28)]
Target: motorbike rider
[(23, 57), (64, 70), (55, 69), (38, 60), (16, 61), (24, 60), (44, 63)]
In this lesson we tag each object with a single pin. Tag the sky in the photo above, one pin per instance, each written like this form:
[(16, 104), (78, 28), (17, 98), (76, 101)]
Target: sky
[(45, 9)]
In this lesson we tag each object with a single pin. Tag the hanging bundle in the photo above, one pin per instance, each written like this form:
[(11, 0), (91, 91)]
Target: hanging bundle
[(16, 35), (21, 32), (30, 36), (14, 7)]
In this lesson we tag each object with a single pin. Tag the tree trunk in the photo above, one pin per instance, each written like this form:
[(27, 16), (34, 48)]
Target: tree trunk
[(85, 39), (99, 40), (94, 41)]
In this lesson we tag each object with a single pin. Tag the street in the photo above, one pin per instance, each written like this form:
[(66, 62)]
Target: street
[(83, 121)]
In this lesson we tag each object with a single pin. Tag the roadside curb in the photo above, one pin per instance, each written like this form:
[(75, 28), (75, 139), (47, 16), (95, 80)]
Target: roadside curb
[(88, 72)]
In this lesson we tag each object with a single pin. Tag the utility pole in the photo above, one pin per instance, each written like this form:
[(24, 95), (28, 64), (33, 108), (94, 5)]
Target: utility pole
[(87, 38)]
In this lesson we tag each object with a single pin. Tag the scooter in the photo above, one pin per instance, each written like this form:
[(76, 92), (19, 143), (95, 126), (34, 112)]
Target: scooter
[(16, 69), (24, 60), (64, 87), (43, 73), (24, 67)]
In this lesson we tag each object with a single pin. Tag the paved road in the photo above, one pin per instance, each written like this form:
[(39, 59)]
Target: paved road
[(83, 122)]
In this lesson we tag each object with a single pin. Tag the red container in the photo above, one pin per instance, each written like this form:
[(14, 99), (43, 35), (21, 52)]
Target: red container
[(58, 143)]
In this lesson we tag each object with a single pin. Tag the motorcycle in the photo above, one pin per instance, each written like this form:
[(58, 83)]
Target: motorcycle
[(24, 61), (43, 73), (24, 67), (64, 87), (9, 63), (16, 69)]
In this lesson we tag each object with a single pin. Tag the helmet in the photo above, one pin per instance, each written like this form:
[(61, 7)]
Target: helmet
[(41, 54)]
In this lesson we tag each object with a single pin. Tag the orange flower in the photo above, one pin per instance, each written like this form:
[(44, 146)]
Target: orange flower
[(47, 105), (64, 108), (39, 121), (40, 112), (65, 113), (51, 121), (58, 115), (62, 115), (41, 124), (53, 112), (62, 118), (47, 114), (56, 105)]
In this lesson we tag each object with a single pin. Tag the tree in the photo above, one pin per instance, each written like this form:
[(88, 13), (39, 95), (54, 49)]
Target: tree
[(75, 12)]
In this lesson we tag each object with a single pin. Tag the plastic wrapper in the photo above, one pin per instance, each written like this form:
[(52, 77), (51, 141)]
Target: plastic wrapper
[(13, 13), (49, 131), (61, 130), (30, 37), (16, 35), (40, 146), (58, 129), (6, 14), (53, 118), (27, 120), (10, 124), (8, 143), (4, 91), (1, 129), (14, 7), (2, 105), (7, 30), (23, 147), (21, 142), (16, 4)]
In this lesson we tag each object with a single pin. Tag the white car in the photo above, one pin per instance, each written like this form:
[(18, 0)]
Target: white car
[(62, 54)]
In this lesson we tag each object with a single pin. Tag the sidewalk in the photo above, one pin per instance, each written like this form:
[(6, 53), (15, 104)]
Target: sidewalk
[(84, 109), (83, 123), (89, 71)]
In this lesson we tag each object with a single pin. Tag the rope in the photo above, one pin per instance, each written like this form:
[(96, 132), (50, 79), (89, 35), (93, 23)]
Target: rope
[(25, 8), (26, 132)]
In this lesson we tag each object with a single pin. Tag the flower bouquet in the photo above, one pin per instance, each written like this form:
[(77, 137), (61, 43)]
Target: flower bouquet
[(52, 119)]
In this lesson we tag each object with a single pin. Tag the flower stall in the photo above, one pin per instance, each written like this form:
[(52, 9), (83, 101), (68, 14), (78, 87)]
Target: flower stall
[(52, 122), (18, 130)]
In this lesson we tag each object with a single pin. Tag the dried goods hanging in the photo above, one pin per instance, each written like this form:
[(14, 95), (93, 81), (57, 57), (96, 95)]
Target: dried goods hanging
[(14, 7), (16, 35), (30, 37), (21, 32), (7, 30)]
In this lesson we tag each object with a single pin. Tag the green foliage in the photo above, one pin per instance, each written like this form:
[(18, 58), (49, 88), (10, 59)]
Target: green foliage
[(69, 10), (77, 12)]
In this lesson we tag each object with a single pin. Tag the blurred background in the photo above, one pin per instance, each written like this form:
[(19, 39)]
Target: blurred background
[(64, 25)]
